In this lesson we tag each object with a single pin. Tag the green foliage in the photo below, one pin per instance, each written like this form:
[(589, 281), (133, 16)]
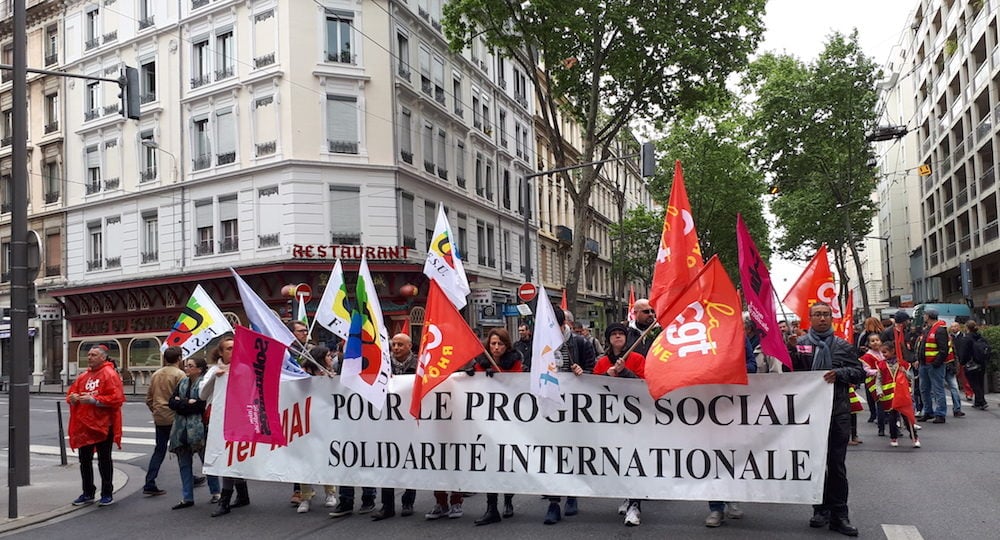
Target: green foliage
[(636, 240), (992, 335)]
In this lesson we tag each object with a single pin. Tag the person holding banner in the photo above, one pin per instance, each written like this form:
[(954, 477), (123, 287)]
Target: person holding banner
[(838, 360), (188, 434), (404, 362), (503, 357), (221, 356), (322, 358)]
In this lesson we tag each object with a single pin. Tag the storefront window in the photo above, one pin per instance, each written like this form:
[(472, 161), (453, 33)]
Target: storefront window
[(144, 353)]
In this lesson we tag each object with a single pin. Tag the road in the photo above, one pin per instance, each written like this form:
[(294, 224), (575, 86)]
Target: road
[(947, 489)]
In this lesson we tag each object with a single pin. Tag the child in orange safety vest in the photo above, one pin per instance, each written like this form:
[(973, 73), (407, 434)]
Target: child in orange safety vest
[(870, 361), (892, 385)]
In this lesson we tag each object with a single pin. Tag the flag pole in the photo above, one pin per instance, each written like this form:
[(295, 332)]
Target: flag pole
[(302, 354)]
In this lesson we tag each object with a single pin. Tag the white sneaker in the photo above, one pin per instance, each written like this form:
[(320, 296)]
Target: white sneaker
[(917, 426), (714, 519), (455, 511), (916, 444), (632, 515), (331, 500), (437, 513), (733, 511), (893, 443), (303, 506), (623, 507)]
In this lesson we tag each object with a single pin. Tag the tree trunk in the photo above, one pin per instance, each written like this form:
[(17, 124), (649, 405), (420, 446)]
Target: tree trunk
[(863, 286)]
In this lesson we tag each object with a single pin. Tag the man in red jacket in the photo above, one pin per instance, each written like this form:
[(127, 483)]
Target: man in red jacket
[(95, 422)]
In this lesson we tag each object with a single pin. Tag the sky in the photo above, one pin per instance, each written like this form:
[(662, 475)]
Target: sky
[(800, 28)]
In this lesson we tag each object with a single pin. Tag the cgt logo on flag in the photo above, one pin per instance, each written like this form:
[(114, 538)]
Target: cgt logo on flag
[(691, 331)]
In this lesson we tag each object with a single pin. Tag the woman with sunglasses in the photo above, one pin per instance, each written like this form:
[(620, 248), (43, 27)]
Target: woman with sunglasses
[(189, 433)]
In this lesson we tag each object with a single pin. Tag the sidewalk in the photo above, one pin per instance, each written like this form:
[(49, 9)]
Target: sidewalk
[(52, 489)]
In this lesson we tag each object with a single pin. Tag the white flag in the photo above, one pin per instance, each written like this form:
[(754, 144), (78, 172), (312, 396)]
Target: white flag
[(366, 368), (264, 321), (444, 264), (547, 338), (333, 312)]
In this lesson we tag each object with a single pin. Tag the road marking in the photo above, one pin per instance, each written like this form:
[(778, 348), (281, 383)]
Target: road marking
[(47, 450), (901, 532), (133, 440), (139, 429)]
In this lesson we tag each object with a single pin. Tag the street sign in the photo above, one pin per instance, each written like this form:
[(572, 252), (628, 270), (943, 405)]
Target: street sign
[(303, 291), (49, 312), (527, 292), (481, 297)]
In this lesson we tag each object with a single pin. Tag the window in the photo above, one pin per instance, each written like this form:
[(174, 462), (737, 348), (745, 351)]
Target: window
[(427, 142), (456, 92), (438, 78), (113, 242), (460, 163), (265, 126), (145, 13), (463, 237), (430, 221), (6, 195), (8, 58), (5, 262), (403, 54), (204, 228), (507, 253), (147, 81), (268, 228), (53, 254), (92, 103), (480, 185), (489, 179), (405, 138), (342, 124), (224, 55), (506, 195), (345, 214), (147, 158), (442, 158), (201, 64), (406, 220), (51, 45), (264, 38), (225, 136), (228, 224), (8, 127), (425, 70), (520, 88), (518, 149), (202, 145), (51, 113), (52, 182), (93, 28), (93, 169), (95, 246), (481, 241), (150, 238), (338, 37), (502, 127)]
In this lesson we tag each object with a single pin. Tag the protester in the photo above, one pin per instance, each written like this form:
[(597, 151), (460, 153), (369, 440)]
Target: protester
[(502, 357), (320, 366), (933, 350), (188, 433), (584, 332), (643, 329), (161, 387), (301, 332), (838, 360), (951, 370), (632, 366), (523, 344), (871, 326), (873, 355), (404, 362), (974, 355), (221, 356), (95, 423), (892, 379)]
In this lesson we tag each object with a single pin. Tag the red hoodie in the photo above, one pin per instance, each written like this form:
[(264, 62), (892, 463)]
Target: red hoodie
[(90, 423)]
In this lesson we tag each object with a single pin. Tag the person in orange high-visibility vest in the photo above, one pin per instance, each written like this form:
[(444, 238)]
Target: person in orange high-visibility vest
[(873, 353), (933, 350), (893, 388)]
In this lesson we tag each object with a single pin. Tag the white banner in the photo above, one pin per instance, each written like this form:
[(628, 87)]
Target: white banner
[(764, 442)]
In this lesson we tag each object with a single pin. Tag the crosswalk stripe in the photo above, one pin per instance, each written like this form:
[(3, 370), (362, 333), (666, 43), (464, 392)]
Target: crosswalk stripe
[(901, 532), (54, 451), (133, 440), (131, 429)]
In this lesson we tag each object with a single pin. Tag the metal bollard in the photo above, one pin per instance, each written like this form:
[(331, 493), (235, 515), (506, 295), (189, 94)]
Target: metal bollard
[(62, 437)]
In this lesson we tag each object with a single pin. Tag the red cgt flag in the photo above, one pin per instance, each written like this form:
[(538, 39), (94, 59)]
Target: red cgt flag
[(678, 259), (844, 326), (814, 285), (703, 341), (447, 344)]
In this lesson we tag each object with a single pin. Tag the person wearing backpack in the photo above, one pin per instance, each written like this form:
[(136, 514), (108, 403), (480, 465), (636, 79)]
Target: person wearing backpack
[(974, 354)]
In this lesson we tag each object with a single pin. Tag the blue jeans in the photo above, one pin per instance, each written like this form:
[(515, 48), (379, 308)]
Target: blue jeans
[(153, 470), (716, 506), (932, 390), (185, 461), (951, 382), (346, 496)]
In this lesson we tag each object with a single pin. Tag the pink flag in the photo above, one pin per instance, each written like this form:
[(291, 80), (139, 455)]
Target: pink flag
[(759, 295), (252, 413)]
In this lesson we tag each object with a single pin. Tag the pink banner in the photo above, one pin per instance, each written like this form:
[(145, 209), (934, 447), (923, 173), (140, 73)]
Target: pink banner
[(252, 413), (759, 295)]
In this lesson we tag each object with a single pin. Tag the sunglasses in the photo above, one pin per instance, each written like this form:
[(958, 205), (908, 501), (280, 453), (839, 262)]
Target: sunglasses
[(648, 311)]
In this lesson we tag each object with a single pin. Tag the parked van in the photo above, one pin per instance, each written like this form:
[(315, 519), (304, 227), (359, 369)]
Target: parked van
[(948, 313)]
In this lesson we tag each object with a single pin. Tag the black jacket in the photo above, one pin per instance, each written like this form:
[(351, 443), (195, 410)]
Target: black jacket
[(845, 363)]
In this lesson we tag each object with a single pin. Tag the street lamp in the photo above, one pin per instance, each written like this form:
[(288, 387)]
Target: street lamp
[(150, 143)]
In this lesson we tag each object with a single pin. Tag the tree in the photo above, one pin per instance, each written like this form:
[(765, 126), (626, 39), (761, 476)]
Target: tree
[(635, 240), (721, 179), (603, 64), (810, 124)]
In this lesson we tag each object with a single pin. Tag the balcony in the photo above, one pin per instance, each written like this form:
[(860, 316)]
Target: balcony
[(200, 80), (442, 173), (110, 37), (51, 127), (341, 57), (147, 175), (147, 97), (113, 262), (229, 245), (439, 94), (195, 4), (51, 197), (146, 22), (92, 187), (460, 180), (406, 156), (224, 73), (404, 72), (5, 141), (111, 109), (265, 148), (92, 43), (5, 207), (53, 270), (6, 75), (147, 257), (410, 241), (268, 240), (201, 162), (965, 244), (226, 158), (991, 231), (92, 114), (436, 25), (51, 59), (263, 61), (592, 246), (564, 234), (459, 111), (345, 238), (111, 183), (343, 147), (987, 180), (426, 86), (203, 248), (95, 264), (429, 166)]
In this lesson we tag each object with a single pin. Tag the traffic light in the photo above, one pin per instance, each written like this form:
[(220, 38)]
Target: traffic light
[(129, 94), (648, 160)]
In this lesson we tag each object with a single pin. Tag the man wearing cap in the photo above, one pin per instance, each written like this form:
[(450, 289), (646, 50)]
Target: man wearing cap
[(933, 349), (95, 423)]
